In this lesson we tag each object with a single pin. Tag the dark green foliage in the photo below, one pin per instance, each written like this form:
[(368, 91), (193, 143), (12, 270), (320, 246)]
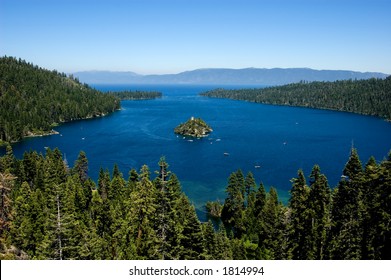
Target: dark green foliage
[(250, 188), (141, 212), (368, 97), (319, 201), (7, 162), (167, 226), (104, 184), (299, 231), (210, 240), (382, 212), (271, 234), (135, 95), (346, 228), (233, 210), (260, 200), (223, 250), (49, 211), (33, 100), (192, 241), (81, 167), (6, 186)]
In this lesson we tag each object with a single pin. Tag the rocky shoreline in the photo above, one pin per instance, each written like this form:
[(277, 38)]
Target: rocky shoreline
[(41, 134)]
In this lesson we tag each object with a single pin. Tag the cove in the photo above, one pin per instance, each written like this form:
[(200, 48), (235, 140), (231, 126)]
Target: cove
[(273, 142)]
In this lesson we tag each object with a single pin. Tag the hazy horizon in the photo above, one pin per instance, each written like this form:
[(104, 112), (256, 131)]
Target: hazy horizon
[(214, 68)]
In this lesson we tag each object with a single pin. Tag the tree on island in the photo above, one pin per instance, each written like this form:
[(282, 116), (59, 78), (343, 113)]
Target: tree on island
[(194, 127)]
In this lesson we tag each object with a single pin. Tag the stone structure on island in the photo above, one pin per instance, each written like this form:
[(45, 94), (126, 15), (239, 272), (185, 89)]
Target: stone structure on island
[(194, 127)]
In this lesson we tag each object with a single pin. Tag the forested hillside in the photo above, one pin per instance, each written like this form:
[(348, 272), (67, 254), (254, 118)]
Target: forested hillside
[(135, 95), (49, 210), (33, 100), (368, 97)]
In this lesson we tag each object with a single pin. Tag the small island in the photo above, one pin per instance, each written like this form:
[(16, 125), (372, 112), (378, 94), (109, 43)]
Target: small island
[(194, 127)]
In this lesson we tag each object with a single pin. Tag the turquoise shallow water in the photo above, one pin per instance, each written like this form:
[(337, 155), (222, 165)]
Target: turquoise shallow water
[(278, 139)]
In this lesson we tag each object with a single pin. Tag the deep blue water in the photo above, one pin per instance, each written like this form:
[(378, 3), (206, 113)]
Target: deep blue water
[(279, 139)]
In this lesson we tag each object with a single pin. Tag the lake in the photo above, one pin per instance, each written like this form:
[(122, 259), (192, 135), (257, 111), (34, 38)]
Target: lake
[(273, 142)]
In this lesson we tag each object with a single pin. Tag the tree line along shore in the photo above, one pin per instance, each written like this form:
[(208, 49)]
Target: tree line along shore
[(368, 97)]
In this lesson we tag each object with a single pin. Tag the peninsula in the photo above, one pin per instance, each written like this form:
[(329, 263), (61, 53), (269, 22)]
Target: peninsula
[(367, 97), (35, 100), (194, 127)]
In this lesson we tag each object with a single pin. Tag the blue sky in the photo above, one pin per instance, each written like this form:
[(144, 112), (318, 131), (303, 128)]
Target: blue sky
[(158, 36)]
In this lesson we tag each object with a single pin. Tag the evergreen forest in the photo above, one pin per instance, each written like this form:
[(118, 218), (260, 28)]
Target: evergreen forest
[(34, 100), (367, 97), (135, 95), (49, 210)]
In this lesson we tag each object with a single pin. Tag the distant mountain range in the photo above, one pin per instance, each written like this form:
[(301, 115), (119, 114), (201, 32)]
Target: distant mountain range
[(219, 76)]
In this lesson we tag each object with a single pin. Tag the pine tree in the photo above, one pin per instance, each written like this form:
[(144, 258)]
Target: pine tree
[(232, 213), (369, 213), (30, 163), (140, 217), (81, 167), (319, 205), (7, 162), (167, 229), (240, 183), (382, 242), (6, 185), (117, 189), (55, 169), (300, 221), (98, 243), (75, 220), (223, 246), (22, 225), (191, 242), (346, 227), (133, 178), (39, 180), (104, 183), (260, 200), (250, 188), (254, 221), (271, 235), (210, 240), (255, 202), (353, 168), (174, 194)]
